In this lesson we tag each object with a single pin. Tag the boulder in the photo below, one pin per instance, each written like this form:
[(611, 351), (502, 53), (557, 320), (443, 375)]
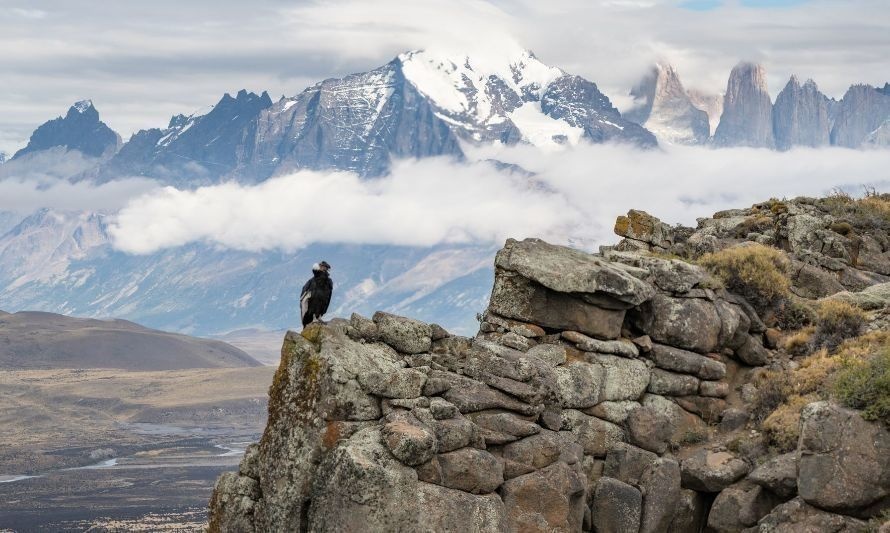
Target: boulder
[(617, 507), (844, 461), (444, 509), (539, 450), (595, 436), (752, 352), (660, 487), (628, 463), (869, 298), (615, 412), (709, 471), (587, 344), (501, 427), (687, 362), (796, 516), (359, 486), (691, 512), (623, 379), (404, 334), (650, 429), (409, 443), (552, 354), (740, 506), (403, 383), (550, 499), (363, 328), (778, 474), (471, 470), (520, 298), (233, 503), (672, 384), (566, 270), (579, 384), (643, 227), (687, 323)]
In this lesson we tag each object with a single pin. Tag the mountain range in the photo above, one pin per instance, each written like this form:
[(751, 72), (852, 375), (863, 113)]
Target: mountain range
[(418, 105), (746, 116)]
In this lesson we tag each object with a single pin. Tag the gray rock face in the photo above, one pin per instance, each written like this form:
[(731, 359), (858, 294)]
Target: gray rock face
[(687, 323), (862, 111), (740, 506), (747, 110), (845, 461), (194, 150), (664, 108), (536, 424), (80, 130), (617, 507), (779, 475), (797, 516), (709, 471), (801, 116), (404, 334)]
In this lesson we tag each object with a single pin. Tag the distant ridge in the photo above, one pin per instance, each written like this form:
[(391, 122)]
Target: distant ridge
[(36, 340)]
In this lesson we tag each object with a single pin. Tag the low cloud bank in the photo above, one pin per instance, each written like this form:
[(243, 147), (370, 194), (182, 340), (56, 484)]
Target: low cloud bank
[(574, 197)]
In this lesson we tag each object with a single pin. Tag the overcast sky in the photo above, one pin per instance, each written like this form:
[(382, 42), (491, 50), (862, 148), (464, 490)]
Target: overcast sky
[(141, 62)]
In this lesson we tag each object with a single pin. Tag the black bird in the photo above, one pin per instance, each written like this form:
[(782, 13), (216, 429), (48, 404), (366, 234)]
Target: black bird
[(316, 295)]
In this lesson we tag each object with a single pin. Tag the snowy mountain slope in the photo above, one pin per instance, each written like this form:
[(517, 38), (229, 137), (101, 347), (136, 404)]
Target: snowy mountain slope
[(64, 263), (193, 150)]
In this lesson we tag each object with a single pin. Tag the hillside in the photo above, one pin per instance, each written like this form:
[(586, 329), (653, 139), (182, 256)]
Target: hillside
[(36, 340), (727, 378)]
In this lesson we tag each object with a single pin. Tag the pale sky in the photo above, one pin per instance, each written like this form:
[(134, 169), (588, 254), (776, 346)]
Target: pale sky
[(141, 62)]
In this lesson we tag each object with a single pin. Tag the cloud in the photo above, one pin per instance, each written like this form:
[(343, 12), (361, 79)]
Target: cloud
[(40, 180), (574, 197), (142, 64)]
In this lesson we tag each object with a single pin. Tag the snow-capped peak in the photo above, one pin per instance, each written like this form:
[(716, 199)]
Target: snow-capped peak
[(465, 85), (82, 106)]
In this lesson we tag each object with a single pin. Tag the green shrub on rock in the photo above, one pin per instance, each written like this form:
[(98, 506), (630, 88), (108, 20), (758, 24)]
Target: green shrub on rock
[(756, 272), (865, 384), (836, 322)]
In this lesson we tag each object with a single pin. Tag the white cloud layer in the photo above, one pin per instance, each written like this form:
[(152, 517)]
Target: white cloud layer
[(574, 197)]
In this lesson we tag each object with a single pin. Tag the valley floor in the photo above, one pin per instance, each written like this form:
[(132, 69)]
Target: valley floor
[(111, 450)]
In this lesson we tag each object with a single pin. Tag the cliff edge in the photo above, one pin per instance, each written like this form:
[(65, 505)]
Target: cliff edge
[(622, 391)]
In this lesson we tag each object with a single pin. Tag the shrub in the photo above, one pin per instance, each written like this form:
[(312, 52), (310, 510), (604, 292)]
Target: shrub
[(754, 271), (815, 374), (837, 321), (800, 343), (773, 388), (753, 224), (865, 384), (872, 212), (793, 314), (782, 426)]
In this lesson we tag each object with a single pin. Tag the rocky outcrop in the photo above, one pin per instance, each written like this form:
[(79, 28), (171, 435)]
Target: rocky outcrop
[(712, 104), (664, 108), (831, 247), (558, 415), (587, 402), (747, 110), (801, 116)]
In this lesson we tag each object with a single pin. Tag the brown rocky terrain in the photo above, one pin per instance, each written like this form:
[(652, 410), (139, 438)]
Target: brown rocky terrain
[(729, 377)]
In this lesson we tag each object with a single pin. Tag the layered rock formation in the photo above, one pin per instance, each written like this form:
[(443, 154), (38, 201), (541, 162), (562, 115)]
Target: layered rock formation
[(801, 116), (833, 244), (665, 109), (747, 110), (578, 406)]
